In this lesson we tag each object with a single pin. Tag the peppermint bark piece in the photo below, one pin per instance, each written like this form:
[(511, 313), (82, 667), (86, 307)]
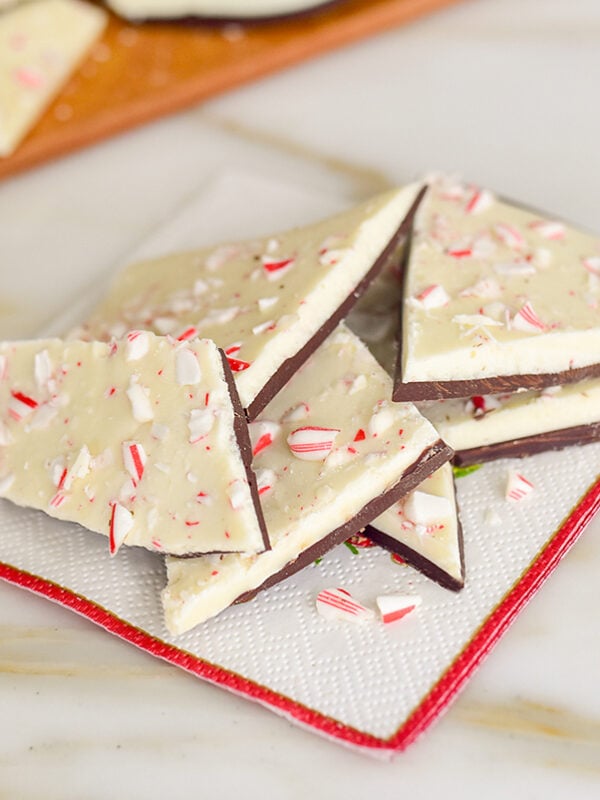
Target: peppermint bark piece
[(496, 298), (140, 440), (331, 453), (487, 427), (424, 529), (41, 43), (212, 9), (267, 303)]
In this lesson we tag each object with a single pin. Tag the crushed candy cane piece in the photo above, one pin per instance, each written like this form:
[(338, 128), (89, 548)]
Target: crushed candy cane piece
[(297, 413), (121, 523), (479, 201), (393, 607), (548, 229), (266, 302), (312, 443), (6, 482), (134, 459), (479, 405), (423, 508), (517, 486), (434, 296), (200, 423), (265, 480), (42, 369), (237, 492), (527, 320), (140, 402), (381, 420), (21, 405), (187, 368), (275, 268), (138, 344), (262, 435), (338, 604), (509, 235), (592, 264)]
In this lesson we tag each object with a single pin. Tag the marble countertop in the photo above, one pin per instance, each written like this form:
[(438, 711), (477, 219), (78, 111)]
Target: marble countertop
[(503, 92)]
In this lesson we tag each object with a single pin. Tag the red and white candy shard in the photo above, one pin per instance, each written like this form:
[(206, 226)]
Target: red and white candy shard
[(312, 443), (479, 405), (274, 268), (434, 296), (138, 343), (21, 405), (338, 604), (549, 229), (527, 320), (510, 236), (517, 486), (262, 435), (134, 459), (592, 264), (121, 523), (265, 481), (393, 607), (479, 201)]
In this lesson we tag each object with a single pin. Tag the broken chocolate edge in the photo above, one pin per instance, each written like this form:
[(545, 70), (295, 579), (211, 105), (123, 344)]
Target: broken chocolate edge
[(288, 367), (529, 445), (427, 463), (498, 384), (242, 435)]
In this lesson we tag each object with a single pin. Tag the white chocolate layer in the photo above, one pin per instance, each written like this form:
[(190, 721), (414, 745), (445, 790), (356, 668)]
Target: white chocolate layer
[(41, 43), (340, 388), (234, 9), (514, 416), (136, 436), (523, 292), (429, 527), (261, 301)]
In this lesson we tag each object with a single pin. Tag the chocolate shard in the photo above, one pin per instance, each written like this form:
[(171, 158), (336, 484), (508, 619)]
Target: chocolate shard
[(530, 445), (424, 529)]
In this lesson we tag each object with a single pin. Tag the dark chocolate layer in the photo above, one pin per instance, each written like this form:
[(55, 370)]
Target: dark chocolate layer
[(499, 384), (240, 428), (530, 445), (418, 560), (427, 463), (292, 364)]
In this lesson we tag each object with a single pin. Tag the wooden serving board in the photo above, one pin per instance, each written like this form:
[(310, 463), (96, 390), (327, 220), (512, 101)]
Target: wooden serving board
[(138, 72)]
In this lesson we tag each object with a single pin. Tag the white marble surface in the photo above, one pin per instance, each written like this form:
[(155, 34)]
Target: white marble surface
[(502, 91)]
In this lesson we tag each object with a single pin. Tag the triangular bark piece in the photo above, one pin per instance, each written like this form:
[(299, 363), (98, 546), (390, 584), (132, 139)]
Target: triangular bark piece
[(497, 298), (424, 529), (268, 303)]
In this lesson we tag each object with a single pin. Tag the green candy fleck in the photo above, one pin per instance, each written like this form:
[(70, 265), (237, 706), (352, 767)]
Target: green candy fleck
[(460, 472)]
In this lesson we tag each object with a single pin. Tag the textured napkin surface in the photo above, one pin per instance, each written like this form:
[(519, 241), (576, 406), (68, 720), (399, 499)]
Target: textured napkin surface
[(366, 676)]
